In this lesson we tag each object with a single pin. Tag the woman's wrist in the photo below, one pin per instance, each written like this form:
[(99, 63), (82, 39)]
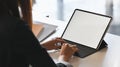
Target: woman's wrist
[(63, 61), (61, 58)]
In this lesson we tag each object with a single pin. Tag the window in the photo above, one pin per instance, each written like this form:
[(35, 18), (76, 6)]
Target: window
[(63, 9)]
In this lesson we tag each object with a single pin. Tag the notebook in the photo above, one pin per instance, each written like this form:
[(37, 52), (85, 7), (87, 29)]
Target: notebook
[(48, 29), (86, 30)]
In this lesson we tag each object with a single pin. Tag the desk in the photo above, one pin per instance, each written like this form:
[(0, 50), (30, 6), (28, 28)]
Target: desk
[(107, 57)]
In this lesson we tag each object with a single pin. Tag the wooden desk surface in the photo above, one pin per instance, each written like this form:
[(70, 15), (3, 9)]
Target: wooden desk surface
[(37, 28)]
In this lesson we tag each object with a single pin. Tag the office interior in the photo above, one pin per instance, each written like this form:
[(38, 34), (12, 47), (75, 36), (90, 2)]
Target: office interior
[(63, 9)]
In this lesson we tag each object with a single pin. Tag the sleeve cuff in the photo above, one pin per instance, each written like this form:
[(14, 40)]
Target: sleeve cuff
[(61, 60)]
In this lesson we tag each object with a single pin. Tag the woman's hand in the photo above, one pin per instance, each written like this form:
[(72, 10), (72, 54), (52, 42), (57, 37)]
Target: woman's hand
[(67, 50), (53, 44)]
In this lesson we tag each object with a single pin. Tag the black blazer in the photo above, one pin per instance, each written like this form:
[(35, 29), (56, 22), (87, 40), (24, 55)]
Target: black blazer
[(19, 47)]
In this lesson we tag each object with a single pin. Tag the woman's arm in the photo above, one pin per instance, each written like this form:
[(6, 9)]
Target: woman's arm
[(29, 46)]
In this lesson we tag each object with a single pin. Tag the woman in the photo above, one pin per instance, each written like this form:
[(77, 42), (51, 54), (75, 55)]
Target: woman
[(19, 47)]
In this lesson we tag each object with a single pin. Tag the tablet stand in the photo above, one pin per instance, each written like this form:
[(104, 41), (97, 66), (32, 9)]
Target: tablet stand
[(86, 51), (103, 45)]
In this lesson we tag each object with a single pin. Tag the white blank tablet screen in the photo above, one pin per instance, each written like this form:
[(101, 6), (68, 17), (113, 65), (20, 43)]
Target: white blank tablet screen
[(86, 28)]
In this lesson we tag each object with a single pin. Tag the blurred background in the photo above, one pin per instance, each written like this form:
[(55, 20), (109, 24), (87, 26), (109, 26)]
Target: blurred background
[(63, 9)]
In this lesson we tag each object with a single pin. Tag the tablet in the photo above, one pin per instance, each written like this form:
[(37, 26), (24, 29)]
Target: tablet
[(86, 28)]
